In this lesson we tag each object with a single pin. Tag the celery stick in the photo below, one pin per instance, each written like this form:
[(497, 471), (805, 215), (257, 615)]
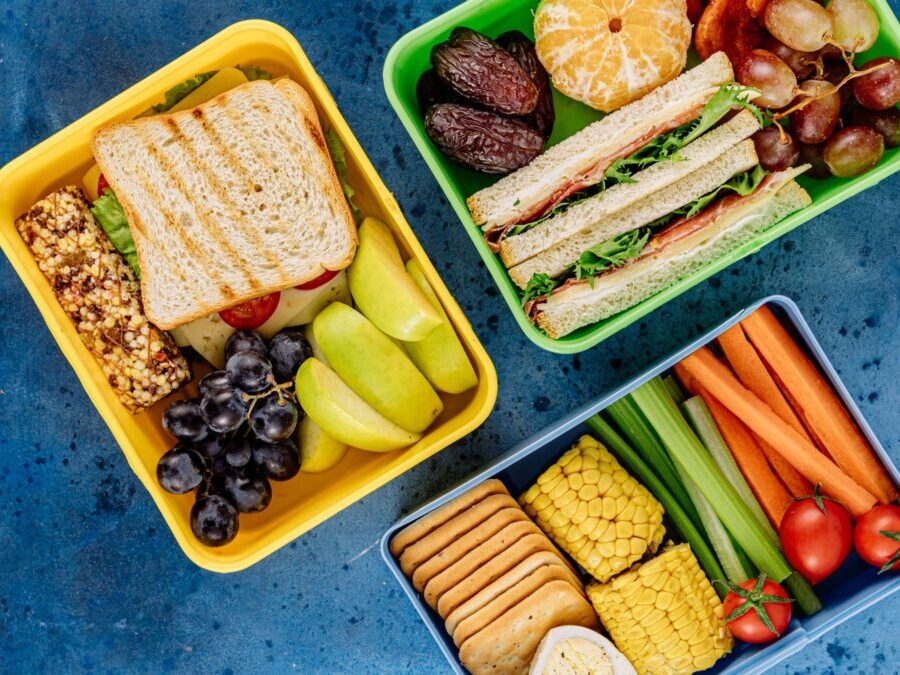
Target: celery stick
[(726, 550), (640, 435), (686, 449), (645, 475), (701, 420), (675, 390)]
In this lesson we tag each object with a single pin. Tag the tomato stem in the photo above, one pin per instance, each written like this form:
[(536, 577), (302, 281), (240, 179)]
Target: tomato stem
[(754, 599), (893, 536)]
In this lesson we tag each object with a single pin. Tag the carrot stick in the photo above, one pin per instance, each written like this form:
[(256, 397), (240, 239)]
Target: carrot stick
[(827, 417), (769, 491), (715, 377), (751, 371), (688, 382)]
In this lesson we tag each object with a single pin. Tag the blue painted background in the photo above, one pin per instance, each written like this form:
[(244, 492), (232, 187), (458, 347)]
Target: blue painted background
[(91, 579)]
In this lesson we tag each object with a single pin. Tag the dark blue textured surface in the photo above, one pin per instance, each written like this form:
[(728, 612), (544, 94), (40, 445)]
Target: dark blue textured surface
[(91, 579)]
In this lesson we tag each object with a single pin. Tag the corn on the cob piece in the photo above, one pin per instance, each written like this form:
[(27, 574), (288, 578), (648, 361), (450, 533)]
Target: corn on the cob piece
[(595, 511), (664, 615)]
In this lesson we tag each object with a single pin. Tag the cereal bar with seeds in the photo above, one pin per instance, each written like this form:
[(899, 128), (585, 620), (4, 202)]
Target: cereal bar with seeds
[(98, 290)]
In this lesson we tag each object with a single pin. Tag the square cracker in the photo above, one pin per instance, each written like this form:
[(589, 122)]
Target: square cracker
[(524, 569), (484, 575), (431, 521), (456, 549), (441, 537), (507, 645), (478, 556), (463, 629)]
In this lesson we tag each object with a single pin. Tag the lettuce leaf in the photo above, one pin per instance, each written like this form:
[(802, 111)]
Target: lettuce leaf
[(255, 73), (339, 159), (613, 252), (108, 212), (174, 95), (538, 285)]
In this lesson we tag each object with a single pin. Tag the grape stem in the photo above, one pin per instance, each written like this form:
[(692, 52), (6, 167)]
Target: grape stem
[(285, 391), (810, 97)]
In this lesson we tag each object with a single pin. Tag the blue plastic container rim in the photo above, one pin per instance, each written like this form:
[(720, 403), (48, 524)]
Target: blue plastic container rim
[(748, 663)]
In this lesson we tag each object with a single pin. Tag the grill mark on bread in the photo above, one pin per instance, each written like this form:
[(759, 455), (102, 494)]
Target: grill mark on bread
[(190, 244), (238, 167)]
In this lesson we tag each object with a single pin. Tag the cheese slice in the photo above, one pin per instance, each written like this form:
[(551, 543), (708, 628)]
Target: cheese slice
[(295, 308)]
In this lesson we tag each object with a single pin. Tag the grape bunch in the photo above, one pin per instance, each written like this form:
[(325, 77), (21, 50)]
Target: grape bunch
[(830, 113), (235, 436)]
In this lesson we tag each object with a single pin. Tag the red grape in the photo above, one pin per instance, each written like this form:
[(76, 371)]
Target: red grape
[(879, 90), (885, 122), (763, 70), (776, 150), (803, 25), (817, 120), (853, 150), (854, 24), (802, 63), (812, 155)]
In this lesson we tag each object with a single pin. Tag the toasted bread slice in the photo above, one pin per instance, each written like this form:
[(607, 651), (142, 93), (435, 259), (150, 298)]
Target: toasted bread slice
[(228, 201)]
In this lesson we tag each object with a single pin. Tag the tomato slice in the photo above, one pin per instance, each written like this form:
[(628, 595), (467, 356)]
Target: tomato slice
[(102, 184), (251, 314), (320, 280)]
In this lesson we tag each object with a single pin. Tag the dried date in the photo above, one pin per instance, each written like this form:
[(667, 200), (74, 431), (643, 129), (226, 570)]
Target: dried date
[(480, 70), (522, 50), (482, 140), (431, 90)]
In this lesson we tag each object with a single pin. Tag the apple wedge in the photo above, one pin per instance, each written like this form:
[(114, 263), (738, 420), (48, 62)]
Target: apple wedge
[(342, 414), (383, 291), (318, 451), (373, 366), (440, 356)]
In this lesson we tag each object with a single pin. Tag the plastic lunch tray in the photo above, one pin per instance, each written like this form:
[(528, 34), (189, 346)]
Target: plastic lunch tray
[(308, 499), (409, 57), (850, 590)]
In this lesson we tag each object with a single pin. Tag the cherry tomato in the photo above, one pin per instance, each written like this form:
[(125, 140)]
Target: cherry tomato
[(253, 313), (320, 280), (877, 537), (816, 533), (757, 610), (102, 185)]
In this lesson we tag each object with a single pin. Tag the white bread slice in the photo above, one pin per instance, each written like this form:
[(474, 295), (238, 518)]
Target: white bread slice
[(228, 201), (518, 248), (555, 260), (514, 196), (581, 305)]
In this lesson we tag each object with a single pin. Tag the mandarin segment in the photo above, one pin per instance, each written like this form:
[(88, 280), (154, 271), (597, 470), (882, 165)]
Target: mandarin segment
[(607, 53), (595, 511)]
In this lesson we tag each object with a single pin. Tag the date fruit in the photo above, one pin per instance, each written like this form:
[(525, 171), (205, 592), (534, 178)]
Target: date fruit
[(431, 90), (482, 140), (523, 51), (480, 70)]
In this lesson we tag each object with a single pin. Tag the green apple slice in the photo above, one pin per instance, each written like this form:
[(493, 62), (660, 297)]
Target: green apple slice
[(342, 414), (318, 451), (375, 367), (440, 356), (383, 291)]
